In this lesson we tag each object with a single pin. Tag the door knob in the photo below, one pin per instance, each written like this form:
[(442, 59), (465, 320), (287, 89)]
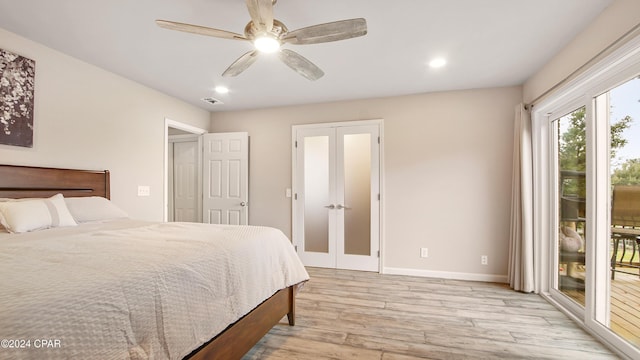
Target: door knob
[(330, 206), (340, 207), (243, 204)]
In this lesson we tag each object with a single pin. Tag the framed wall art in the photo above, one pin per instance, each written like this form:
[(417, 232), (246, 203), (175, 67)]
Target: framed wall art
[(17, 75)]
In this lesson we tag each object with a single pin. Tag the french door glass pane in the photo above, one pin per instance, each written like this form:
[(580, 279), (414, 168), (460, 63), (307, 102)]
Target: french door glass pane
[(624, 136), (571, 145), (357, 194), (316, 186)]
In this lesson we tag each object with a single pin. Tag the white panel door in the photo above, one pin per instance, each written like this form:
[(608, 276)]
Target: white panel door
[(185, 181), (337, 204), (225, 178)]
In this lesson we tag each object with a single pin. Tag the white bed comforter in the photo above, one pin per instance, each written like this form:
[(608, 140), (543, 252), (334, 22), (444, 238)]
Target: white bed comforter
[(134, 290)]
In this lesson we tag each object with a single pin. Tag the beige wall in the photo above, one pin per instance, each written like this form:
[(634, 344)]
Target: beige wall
[(447, 172), (88, 118), (447, 155), (620, 17)]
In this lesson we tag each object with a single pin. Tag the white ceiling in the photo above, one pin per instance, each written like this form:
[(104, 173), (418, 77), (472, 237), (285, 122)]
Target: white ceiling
[(488, 43)]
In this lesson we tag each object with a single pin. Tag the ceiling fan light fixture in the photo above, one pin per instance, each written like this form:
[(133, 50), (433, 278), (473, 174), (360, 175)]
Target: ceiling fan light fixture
[(266, 44)]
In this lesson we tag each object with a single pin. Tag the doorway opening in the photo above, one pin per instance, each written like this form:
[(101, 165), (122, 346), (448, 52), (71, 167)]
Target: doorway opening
[(173, 130), (206, 175)]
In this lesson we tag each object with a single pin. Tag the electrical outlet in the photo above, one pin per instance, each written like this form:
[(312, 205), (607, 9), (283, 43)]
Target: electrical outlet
[(424, 252), (144, 190), (484, 260)]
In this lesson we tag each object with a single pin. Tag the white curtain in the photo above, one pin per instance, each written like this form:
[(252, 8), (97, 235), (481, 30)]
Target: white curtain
[(521, 247)]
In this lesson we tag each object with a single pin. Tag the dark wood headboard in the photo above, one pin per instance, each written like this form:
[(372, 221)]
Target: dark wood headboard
[(27, 182)]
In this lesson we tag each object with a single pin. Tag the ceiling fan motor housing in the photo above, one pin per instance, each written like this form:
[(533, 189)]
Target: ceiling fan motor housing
[(278, 30)]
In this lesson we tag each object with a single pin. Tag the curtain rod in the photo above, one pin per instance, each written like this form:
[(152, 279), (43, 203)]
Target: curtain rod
[(633, 32)]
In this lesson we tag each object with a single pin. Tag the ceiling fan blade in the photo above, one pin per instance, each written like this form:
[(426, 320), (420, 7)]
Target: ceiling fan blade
[(201, 30), (301, 65), (333, 31), (241, 64), (261, 12)]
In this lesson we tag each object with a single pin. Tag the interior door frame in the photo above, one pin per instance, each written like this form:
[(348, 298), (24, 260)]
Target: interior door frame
[(168, 123), (381, 224)]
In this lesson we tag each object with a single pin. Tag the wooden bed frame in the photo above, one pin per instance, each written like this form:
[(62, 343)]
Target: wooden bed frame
[(236, 340)]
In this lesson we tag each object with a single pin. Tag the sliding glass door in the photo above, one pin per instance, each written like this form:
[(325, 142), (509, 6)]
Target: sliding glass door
[(589, 201)]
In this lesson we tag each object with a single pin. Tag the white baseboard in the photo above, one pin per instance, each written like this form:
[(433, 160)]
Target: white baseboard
[(446, 275)]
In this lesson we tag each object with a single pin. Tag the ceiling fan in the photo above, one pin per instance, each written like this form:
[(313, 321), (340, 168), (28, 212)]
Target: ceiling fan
[(268, 34)]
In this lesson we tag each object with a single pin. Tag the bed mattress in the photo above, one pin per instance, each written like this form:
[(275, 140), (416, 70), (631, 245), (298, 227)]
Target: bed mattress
[(134, 290)]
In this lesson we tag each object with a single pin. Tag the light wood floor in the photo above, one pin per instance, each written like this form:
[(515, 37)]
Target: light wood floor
[(358, 315), (624, 305)]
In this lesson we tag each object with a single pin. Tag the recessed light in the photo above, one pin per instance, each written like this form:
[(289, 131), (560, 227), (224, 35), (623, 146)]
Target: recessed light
[(221, 89), (438, 63)]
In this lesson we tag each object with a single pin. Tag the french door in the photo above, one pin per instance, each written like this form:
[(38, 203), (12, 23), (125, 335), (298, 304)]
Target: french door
[(337, 195)]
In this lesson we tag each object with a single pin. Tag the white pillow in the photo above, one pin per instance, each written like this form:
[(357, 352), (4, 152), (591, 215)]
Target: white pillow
[(60, 215), (93, 208), (23, 216), (36, 214)]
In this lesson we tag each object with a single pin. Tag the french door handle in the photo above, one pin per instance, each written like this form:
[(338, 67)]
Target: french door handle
[(340, 207), (331, 206)]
